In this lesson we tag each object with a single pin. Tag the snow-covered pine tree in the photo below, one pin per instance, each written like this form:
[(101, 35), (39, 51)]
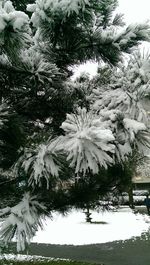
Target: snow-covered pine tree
[(58, 136)]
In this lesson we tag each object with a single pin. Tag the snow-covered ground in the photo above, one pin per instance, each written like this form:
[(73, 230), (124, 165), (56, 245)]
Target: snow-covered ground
[(72, 229)]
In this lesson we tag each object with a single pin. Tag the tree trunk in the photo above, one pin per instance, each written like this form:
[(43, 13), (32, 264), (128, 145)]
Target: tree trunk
[(130, 194), (88, 214)]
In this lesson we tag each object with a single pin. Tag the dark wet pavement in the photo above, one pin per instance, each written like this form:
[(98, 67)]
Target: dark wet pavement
[(129, 252)]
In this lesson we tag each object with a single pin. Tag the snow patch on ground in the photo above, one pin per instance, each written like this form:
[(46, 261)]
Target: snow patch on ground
[(20, 257), (72, 229)]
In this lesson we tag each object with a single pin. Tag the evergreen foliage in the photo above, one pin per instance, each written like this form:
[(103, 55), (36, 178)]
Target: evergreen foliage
[(66, 143)]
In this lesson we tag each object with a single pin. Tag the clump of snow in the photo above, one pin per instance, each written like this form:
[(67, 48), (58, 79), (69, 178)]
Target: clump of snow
[(72, 229), (133, 125), (9, 16), (87, 143), (31, 8)]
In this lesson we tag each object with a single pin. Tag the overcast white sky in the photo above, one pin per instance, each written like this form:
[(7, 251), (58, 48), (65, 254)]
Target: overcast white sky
[(135, 11)]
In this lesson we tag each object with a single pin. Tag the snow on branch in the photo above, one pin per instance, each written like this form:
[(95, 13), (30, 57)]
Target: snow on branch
[(87, 143), (10, 17), (33, 62), (132, 35), (133, 127), (131, 135), (22, 222), (128, 87), (44, 10), (15, 32), (119, 108), (41, 163)]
